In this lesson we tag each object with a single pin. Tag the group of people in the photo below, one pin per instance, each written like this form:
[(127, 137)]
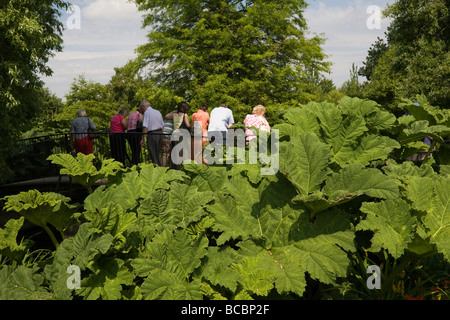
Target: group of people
[(148, 122)]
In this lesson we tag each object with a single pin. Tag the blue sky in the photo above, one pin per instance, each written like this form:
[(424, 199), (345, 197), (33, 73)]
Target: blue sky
[(110, 31)]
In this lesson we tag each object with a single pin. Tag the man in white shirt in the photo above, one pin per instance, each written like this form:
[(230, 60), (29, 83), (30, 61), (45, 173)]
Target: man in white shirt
[(221, 119), (153, 126)]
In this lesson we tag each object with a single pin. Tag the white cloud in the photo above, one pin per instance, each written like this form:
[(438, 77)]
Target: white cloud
[(112, 11), (83, 55), (95, 66), (109, 33), (345, 28)]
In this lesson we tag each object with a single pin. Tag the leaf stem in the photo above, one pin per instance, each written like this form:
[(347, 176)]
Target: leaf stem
[(398, 268), (427, 157), (51, 235)]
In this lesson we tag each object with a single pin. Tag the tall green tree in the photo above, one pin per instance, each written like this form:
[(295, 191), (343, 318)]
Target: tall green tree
[(415, 58), (92, 96), (83, 89), (30, 33), (352, 87), (124, 85), (239, 52)]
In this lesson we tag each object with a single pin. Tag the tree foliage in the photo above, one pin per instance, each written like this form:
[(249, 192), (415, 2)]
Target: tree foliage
[(92, 96), (30, 33), (102, 101), (124, 86), (415, 57), (239, 52)]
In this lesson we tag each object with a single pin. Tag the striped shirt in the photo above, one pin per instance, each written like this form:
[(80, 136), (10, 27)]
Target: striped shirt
[(168, 127), (133, 120)]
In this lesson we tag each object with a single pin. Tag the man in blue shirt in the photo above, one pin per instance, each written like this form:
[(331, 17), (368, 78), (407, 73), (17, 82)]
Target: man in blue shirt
[(221, 119), (153, 126)]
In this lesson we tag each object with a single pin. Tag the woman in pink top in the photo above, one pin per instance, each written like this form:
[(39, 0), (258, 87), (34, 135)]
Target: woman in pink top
[(256, 120), (134, 134), (117, 135)]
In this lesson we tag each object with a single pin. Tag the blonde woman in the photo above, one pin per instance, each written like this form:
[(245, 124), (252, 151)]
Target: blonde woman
[(257, 120)]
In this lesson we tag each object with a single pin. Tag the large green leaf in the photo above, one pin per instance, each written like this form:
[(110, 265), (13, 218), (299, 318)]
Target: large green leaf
[(303, 119), (425, 111), (154, 177), (173, 252), (349, 138), (369, 110), (310, 167), (206, 178), (82, 170), (420, 190), (421, 129), (346, 128), (253, 278), (345, 137), (81, 251), (406, 169), (355, 180), (8, 240), (22, 283), (167, 264), (217, 267), (392, 223), (107, 281), (357, 106), (437, 220), (164, 285), (232, 222), (132, 187), (431, 196), (254, 212), (167, 210), (309, 251), (42, 208), (112, 220), (367, 149), (278, 235)]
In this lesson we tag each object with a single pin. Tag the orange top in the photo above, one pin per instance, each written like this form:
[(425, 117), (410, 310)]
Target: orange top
[(203, 118)]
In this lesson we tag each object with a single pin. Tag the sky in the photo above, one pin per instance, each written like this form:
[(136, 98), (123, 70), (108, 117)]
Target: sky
[(103, 34)]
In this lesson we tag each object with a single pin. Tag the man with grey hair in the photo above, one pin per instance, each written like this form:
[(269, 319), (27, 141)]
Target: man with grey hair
[(153, 126), (79, 138)]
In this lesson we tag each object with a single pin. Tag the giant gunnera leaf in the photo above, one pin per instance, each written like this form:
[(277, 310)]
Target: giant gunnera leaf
[(82, 169), (432, 196), (22, 283), (8, 240), (304, 161), (167, 263), (392, 223), (81, 250), (278, 235)]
